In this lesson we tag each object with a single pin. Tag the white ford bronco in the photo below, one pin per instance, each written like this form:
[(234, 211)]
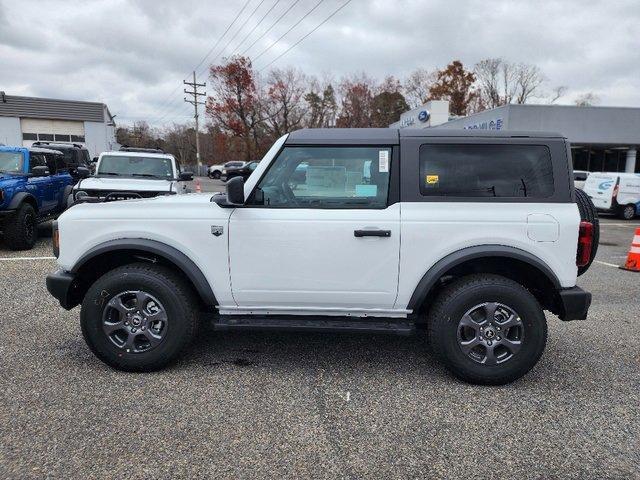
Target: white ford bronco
[(464, 236), (131, 173)]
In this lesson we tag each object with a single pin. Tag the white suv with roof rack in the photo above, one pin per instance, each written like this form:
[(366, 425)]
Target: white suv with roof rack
[(131, 173)]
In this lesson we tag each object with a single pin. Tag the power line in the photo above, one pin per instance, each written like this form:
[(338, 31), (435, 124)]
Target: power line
[(285, 33), (235, 35), (305, 36), (164, 104), (255, 26), (269, 29), (225, 32)]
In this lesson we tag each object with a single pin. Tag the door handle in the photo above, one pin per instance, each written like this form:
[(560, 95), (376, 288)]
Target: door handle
[(372, 233)]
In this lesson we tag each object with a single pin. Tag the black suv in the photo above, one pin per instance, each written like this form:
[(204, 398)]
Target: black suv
[(75, 154)]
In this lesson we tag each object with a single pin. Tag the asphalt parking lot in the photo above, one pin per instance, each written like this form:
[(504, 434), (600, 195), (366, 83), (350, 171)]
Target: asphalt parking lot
[(290, 405)]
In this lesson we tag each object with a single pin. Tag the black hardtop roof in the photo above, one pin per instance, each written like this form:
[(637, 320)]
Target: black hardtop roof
[(44, 150), (391, 136)]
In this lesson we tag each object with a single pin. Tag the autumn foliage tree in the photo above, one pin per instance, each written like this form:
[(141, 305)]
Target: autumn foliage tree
[(247, 112), (235, 105), (455, 84), (357, 103)]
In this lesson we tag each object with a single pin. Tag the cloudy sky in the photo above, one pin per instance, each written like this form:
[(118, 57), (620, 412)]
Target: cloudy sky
[(133, 55)]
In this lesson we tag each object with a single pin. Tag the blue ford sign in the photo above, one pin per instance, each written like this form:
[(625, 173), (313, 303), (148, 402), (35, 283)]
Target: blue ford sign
[(424, 115)]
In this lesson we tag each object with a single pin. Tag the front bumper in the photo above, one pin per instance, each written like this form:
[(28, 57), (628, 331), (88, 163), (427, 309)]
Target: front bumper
[(63, 286), (6, 213), (574, 303)]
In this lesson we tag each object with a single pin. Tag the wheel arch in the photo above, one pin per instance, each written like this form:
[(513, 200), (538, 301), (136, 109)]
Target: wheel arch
[(21, 197), (114, 253), (510, 262)]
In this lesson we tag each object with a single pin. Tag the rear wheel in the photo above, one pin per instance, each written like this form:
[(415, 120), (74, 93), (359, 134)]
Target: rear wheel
[(21, 229), (627, 212), (139, 317), (487, 329), (588, 213)]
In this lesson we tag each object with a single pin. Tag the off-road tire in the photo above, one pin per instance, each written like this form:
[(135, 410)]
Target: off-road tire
[(170, 289), (588, 213), (21, 228), (466, 292)]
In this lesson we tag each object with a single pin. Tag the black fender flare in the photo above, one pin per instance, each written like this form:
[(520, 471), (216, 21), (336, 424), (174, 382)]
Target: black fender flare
[(445, 264), (153, 247), (20, 197)]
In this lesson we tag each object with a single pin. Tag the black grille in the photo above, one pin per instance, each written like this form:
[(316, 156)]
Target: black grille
[(109, 196)]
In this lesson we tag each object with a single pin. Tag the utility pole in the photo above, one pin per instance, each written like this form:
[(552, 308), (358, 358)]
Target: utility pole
[(195, 102)]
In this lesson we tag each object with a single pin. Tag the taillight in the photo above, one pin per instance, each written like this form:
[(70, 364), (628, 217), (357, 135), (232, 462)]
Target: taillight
[(615, 191), (585, 243), (55, 236)]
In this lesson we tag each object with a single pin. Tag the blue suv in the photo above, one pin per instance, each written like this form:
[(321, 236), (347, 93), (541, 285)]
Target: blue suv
[(34, 186)]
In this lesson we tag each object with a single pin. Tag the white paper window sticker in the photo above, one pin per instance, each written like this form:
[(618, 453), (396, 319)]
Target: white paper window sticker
[(383, 161)]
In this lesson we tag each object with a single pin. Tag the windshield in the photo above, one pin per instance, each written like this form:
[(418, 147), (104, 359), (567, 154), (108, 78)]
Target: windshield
[(10, 162), (135, 166)]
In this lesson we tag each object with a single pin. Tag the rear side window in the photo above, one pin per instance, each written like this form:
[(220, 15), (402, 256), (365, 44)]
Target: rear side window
[(484, 170)]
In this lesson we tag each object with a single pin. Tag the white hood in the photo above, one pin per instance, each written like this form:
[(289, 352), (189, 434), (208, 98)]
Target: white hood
[(126, 184)]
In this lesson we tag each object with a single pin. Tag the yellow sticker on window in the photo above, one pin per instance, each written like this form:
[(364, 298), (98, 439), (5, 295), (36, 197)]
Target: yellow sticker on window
[(431, 179)]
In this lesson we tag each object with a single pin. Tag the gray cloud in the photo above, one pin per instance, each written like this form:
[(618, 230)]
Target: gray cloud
[(134, 55)]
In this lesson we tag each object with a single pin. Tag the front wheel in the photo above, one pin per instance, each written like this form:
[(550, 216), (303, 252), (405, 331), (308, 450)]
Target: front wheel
[(21, 229), (487, 329), (139, 317)]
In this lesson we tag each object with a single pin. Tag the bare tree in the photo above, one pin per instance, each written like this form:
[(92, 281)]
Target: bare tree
[(501, 82), (417, 86), (488, 75), (558, 92), (587, 100), (284, 108), (528, 79)]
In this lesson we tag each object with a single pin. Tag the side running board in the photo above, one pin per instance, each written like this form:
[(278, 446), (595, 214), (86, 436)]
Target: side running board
[(314, 324)]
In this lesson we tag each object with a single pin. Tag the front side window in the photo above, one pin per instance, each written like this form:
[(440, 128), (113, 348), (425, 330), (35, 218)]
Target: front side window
[(10, 162), (125, 166), (326, 177), (486, 171)]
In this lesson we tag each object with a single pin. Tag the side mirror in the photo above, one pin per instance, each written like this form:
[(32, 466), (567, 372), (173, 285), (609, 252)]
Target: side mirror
[(185, 176), (40, 171), (94, 160), (235, 191), (83, 172)]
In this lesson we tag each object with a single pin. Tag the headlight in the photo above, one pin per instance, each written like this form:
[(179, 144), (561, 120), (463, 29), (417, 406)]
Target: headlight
[(224, 170)]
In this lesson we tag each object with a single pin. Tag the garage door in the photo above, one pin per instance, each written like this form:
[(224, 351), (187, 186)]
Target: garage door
[(51, 130)]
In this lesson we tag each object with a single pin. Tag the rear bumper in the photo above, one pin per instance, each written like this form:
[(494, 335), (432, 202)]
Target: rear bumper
[(62, 286), (574, 303)]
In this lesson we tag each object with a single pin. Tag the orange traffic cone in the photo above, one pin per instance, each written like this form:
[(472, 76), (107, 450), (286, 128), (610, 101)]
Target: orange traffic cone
[(633, 257), (198, 187)]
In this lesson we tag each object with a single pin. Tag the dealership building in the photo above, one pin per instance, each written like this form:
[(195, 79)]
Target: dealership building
[(24, 120), (603, 139)]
